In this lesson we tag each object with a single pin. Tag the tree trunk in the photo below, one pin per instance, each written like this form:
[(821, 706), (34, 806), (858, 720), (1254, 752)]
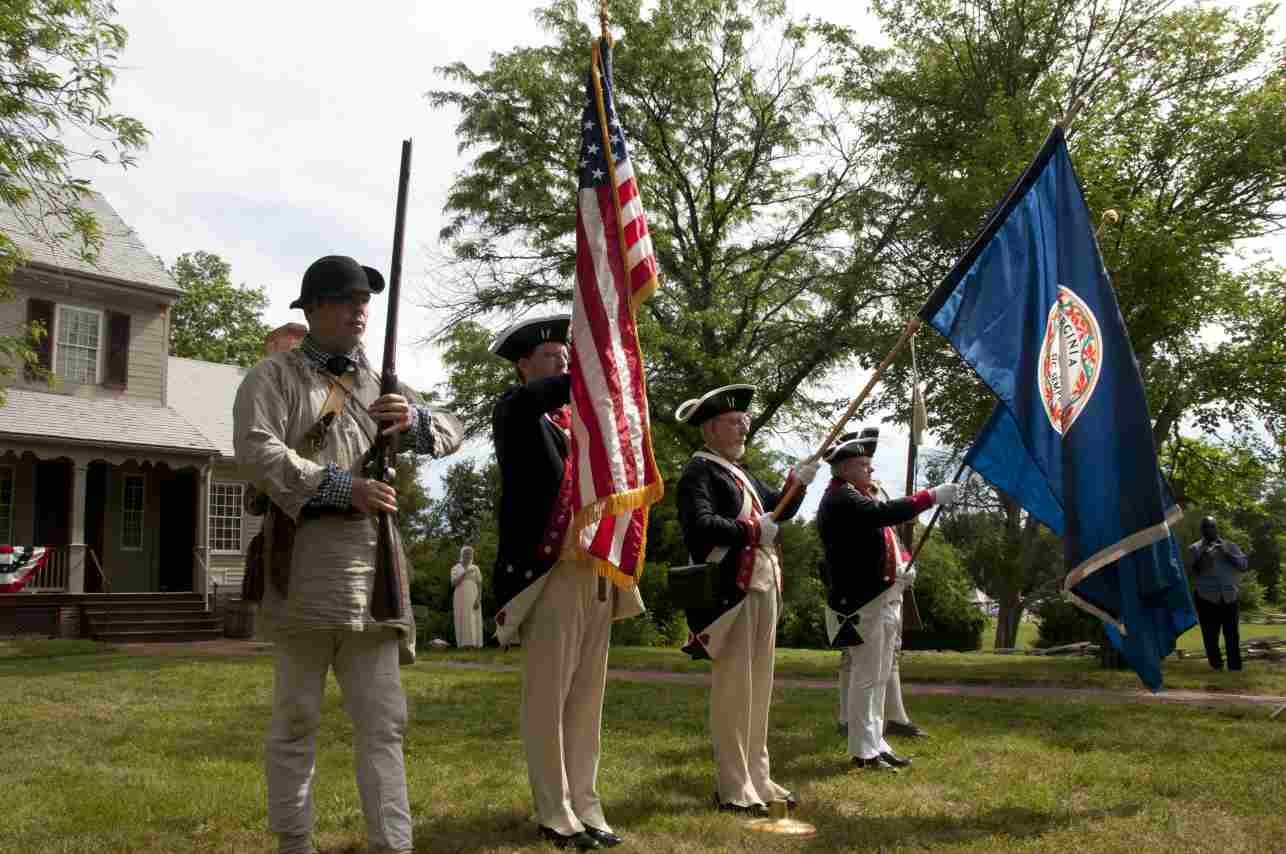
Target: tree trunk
[(1165, 419), (1007, 620)]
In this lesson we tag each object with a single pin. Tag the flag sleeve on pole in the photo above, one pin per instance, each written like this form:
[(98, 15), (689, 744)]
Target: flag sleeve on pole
[(615, 478)]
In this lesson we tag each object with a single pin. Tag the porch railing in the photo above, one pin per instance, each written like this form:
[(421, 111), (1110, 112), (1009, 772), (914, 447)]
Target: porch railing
[(54, 575), (92, 557), (198, 552)]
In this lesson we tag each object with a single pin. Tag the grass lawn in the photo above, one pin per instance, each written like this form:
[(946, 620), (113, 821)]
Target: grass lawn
[(971, 668), (109, 753)]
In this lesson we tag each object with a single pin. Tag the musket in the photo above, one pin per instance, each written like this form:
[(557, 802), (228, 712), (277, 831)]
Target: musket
[(386, 594)]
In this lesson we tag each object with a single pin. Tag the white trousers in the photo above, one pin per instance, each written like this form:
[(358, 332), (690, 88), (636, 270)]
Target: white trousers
[(894, 708), (366, 667), (564, 672), (740, 695), (870, 668)]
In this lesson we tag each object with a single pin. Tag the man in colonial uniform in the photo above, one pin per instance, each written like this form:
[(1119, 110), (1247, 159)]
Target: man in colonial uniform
[(725, 515), (865, 572), (551, 597), (302, 421), (896, 720)]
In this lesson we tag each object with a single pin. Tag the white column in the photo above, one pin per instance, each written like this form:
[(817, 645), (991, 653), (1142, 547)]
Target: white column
[(77, 557), (201, 560)]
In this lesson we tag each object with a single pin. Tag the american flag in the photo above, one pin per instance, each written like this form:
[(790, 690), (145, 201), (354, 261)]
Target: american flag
[(614, 474)]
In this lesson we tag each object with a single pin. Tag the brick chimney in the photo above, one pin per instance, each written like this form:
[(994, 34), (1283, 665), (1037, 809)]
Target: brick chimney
[(284, 338)]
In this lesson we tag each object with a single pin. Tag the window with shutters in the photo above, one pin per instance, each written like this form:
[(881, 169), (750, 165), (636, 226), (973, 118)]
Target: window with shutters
[(6, 505), (132, 513), (225, 517), (76, 345)]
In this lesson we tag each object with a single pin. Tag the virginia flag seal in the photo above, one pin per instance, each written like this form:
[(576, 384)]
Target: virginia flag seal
[(1069, 358)]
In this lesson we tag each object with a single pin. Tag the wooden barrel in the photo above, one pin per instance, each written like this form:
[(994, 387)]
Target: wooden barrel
[(239, 618)]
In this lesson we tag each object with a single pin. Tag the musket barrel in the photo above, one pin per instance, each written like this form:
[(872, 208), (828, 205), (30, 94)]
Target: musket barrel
[(395, 274)]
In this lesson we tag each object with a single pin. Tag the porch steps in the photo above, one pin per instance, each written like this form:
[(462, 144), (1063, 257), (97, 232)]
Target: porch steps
[(126, 617)]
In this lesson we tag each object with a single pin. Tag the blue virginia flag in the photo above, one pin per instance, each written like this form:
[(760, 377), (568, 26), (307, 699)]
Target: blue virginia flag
[(1031, 309)]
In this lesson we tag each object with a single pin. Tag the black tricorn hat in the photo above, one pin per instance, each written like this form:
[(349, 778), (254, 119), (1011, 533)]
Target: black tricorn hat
[(859, 444), (521, 338), (728, 398), (334, 276)]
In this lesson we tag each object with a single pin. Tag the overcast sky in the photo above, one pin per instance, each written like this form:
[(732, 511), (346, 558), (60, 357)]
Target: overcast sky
[(276, 131)]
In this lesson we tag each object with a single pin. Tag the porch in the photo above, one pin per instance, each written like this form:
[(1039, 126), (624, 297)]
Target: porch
[(112, 525)]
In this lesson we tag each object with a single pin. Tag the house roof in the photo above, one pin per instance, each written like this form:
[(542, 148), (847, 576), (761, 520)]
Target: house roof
[(109, 423), (122, 255), (203, 393)]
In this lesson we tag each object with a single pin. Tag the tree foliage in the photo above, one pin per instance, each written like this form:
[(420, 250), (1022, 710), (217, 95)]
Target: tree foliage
[(215, 320), (58, 60), (1183, 134), (768, 222), (471, 493)]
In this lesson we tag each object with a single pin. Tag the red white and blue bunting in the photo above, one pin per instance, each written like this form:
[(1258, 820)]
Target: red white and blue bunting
[(19, 565)]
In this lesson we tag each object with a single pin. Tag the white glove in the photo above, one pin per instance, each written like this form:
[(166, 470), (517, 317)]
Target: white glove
[(767, 530), (806, 471), (945, 494), (908, 577)]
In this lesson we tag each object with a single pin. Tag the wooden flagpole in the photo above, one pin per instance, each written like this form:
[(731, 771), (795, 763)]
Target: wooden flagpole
[(910, 609), (912, 327)]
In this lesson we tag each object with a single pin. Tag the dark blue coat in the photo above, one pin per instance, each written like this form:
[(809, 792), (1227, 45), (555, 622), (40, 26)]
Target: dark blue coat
[(851, 526), (709, 501), (531, 452)]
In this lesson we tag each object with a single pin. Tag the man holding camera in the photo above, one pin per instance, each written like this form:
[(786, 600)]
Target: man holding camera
[(1217, 565)]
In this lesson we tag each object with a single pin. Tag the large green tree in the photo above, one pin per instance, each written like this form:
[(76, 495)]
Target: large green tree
[(1184, 133), (58, 60), (215, 320), (767, 217)]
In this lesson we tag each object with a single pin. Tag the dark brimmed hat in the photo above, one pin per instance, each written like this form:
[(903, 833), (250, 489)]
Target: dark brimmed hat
[(859, 444), (335, 276), (728, 398), (519, 340)]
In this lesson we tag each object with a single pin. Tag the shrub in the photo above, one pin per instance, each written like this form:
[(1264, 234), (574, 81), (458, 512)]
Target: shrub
[(1251, 596), (942, 588), (1061, 622), (661, 624), (803, 620)]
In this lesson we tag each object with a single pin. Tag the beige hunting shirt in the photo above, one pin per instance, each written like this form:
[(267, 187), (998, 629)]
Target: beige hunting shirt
[(333, 565)]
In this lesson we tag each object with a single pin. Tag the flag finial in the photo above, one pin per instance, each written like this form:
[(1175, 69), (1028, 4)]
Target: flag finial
[(1110, 217)]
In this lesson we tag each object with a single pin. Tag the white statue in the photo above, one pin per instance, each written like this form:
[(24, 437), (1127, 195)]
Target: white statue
[(466, 582)]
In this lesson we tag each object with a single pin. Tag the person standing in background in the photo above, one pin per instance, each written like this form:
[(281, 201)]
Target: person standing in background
[(1217, 565)]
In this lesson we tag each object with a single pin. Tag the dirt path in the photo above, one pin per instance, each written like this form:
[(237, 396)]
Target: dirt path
[(230, 647), (939, 689)]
